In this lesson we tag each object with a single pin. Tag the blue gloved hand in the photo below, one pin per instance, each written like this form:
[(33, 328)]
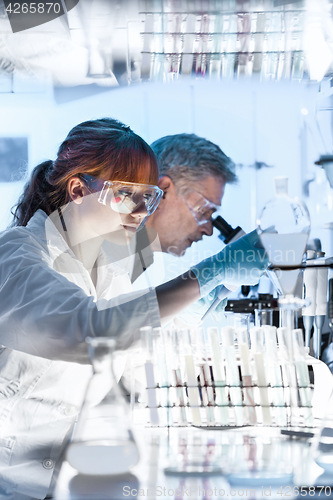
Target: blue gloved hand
[(240, 263), (193, 314)]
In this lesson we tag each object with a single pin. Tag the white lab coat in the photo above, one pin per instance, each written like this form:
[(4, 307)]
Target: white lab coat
[(45, 316)]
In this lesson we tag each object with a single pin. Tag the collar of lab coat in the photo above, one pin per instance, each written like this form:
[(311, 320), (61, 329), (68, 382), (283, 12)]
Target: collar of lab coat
[(63, 259)]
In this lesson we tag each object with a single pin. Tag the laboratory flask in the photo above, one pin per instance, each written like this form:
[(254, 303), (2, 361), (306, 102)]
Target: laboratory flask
[(284, 227), (103, 442)]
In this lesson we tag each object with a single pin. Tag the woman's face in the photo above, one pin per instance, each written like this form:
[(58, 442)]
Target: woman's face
[(111, 224), (116, 221)]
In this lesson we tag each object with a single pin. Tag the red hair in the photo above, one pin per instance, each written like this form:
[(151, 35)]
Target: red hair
[(103, 148)]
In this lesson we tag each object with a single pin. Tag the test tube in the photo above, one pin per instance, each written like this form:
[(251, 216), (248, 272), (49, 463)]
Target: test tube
[(147, 338), (215, 60), (274, 375), (189, 37), (228, 333), (229, 66), (162, 372), (259, 42), (147, 46), (178, 379), (201, 59), (289, 367), (257, 347), (205, 378), (243, 344), (219, 375), (244, 34), (192, 385), (302, 376)]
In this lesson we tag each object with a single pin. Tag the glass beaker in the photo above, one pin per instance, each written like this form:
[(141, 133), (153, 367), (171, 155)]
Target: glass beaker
[(263, 317), (102, 442)]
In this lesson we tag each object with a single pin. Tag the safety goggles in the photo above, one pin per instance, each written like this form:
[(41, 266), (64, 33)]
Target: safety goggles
[(124, 197), (201, 208)]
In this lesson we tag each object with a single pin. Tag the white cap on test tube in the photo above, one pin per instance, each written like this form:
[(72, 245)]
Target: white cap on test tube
[(228, 335), (281, 186)]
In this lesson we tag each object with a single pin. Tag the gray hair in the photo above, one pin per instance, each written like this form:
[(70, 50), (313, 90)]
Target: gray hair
[(187, 158)]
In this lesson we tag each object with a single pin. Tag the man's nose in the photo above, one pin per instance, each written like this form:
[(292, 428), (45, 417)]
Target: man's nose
[(207, 228)]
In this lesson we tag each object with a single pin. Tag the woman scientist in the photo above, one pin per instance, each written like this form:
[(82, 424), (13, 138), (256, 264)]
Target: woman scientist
[(58, 285)]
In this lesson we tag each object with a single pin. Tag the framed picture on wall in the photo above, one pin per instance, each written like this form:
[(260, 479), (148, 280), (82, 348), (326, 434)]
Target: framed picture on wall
[(13, 158)]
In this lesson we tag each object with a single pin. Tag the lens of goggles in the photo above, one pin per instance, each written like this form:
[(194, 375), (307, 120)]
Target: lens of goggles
[(126, 197), (200, 207)]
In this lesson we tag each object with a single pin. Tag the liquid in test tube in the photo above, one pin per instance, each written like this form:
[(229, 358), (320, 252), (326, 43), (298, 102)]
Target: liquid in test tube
[(147, 338), (302, 376), (147, 43), (192, 384), (162, 370), (286, 345), (228, 334), (244, 352), (274, 375), (189, 37), (219, 375), (205, 378), (257, 348), (178, 380)]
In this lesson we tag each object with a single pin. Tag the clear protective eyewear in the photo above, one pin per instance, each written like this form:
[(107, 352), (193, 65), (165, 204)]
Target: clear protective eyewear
[(124, 197), (201, 208)]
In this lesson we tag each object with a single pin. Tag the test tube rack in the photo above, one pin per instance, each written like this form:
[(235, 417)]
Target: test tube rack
[(277, 405), (222, 43)]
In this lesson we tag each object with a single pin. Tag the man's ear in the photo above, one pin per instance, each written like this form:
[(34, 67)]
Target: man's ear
[(76, 190), (166, 184)]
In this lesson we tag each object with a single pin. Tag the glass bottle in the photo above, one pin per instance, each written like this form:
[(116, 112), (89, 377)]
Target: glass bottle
[(284, 227), (102, 442)]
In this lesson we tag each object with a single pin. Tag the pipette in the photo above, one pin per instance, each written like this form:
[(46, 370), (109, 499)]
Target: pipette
[(330, 308)]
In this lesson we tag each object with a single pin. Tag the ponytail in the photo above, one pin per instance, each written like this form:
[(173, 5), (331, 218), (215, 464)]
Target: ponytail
[(36, 195)]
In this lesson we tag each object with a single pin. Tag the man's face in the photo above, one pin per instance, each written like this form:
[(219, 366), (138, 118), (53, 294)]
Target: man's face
[(173, 220)]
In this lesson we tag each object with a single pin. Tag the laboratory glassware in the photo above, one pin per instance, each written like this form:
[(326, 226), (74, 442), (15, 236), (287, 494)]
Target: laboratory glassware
[(191, 378), (245, 366), (263, 317), (284, 227), (147, 339), (257, 348), (323, 445), (219, 375), (102, 441), (228, 335)]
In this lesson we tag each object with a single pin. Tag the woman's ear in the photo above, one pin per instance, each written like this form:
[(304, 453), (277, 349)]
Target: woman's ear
[(76, 190)]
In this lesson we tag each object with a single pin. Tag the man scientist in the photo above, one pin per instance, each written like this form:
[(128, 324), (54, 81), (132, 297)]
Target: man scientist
[(193, 175)]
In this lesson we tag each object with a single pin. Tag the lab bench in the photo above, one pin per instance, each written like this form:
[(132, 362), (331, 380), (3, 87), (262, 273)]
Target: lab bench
[(177, 463)]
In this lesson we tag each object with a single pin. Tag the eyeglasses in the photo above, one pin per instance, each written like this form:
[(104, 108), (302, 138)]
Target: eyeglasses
[(124, 197), (201, 208)]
